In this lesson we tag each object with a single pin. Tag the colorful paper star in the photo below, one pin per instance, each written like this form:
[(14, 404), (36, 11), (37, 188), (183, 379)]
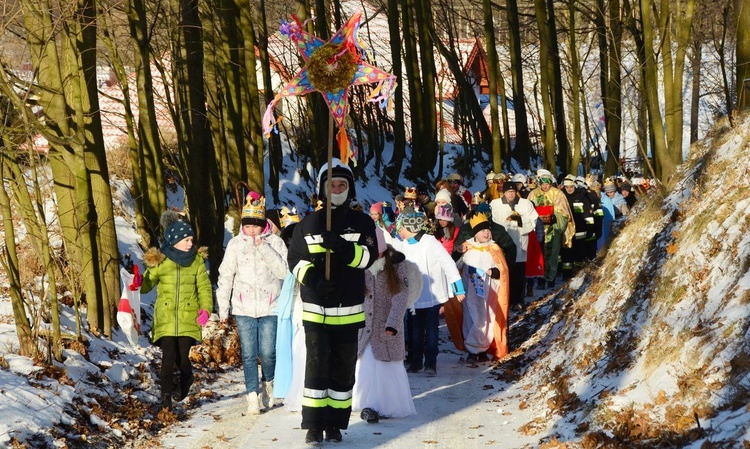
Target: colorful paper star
[(331, 68)]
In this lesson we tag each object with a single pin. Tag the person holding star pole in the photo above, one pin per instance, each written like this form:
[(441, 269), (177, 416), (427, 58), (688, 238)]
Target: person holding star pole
[(331, 248)]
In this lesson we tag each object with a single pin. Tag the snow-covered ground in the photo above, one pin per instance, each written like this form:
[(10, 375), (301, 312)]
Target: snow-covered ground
[(647, 347)]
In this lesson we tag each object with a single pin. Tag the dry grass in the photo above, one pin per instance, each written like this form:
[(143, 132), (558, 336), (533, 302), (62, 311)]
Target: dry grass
[(119, 164)]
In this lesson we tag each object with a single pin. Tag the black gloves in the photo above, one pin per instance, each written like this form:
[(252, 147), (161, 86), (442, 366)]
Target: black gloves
[(342, 248), (323, 287), (517, 219), (494, 273), (333, 241)]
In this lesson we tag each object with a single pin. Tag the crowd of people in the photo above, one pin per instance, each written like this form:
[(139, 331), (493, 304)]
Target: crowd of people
[(336, 296)]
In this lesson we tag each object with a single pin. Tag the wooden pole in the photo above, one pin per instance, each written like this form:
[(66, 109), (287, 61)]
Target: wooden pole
[(328, 192)]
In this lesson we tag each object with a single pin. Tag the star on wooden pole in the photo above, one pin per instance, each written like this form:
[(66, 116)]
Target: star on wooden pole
[(331, 67)]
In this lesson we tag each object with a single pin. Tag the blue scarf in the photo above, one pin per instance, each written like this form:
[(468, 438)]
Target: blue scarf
[(181, 258)]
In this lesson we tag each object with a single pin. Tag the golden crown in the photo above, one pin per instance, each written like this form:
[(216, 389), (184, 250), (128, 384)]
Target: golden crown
[(288, 217), (410, 193), (477, 219), (254, 208)]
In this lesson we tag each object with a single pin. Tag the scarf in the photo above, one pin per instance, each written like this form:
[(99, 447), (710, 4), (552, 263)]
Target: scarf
[(181, 258)]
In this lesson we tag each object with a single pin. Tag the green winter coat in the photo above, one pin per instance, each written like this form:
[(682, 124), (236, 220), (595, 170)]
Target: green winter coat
[(180, 293)]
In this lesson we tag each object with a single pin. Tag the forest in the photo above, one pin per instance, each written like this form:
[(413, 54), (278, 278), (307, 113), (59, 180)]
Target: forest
[(545, 61)]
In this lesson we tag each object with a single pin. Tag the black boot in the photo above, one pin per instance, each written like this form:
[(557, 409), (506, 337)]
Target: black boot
[(184, 388), (334, 434), (541, 284), (166, 402), (314, 436)]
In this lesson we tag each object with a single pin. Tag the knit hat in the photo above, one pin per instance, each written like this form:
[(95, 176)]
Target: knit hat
[(483, 208), (411, 220), (610, 187), (509, 185), (174, 228), (338, 171), (569, 180), (626, 186), (423, 189), (479, 222), (443, 194), (377, 207), (254, 210), (490, 176), (581, 182), (444, 212)]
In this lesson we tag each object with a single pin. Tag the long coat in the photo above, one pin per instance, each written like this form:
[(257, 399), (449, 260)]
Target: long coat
[(383, 310)]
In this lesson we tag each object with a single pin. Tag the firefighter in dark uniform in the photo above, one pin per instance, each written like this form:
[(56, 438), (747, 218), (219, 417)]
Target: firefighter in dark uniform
[(332, 309), (574, 257)]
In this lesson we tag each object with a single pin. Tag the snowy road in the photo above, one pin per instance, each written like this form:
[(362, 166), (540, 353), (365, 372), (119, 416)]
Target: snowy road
[(462, 407)]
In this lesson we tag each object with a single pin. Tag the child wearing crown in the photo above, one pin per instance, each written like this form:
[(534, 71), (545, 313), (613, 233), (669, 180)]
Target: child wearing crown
[(483, 316), (250, 279)]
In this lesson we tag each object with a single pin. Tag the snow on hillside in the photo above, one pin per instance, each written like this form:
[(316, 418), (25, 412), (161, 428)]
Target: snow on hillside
[(651, 345)]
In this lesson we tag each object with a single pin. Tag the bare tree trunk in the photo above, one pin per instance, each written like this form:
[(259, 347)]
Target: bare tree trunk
[(556, 87), (197, 157), (608, 21), (522, 149), (545, 73), (493, 70), (742, 12), (695, 62), (274, 140), (575, 80), (393, 170), (9, 262), (423, 22), (721, 50)]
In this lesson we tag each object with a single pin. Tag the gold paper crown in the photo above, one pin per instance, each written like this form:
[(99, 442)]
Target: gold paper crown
[(410, 193), (254, 209), (288, 217), (477, 219)]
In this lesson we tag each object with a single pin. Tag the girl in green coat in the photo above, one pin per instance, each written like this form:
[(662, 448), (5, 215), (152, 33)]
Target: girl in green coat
[(183, 303)]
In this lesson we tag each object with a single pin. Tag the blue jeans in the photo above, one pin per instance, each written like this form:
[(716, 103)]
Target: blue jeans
[(425, 337), (257, 335)]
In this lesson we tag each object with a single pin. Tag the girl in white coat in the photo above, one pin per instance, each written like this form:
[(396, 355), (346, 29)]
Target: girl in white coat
[(250, 278)]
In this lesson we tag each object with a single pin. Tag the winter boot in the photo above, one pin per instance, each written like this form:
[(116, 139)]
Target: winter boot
[(333, 434), (166, 402), (253, 403), (267, 394), (530, 289), (184, 388), (541, 284), (314, 436)]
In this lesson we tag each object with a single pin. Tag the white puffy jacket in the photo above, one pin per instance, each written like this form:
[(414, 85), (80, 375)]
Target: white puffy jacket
[(250, 276)]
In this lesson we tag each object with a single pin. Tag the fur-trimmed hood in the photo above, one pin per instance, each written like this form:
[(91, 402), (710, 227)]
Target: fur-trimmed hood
[(153, 256)]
